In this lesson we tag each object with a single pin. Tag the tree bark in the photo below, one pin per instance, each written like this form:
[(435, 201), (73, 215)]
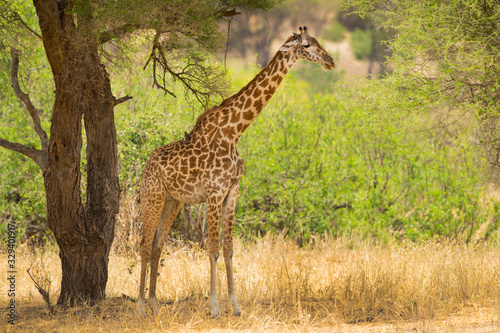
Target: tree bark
[(84, 231)]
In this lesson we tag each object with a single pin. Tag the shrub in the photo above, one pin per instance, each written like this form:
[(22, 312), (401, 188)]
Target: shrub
[(361, 43), (334, 32), (349, 163)]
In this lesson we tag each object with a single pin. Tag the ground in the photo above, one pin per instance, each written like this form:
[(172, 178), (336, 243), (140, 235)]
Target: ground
[(335, 285)]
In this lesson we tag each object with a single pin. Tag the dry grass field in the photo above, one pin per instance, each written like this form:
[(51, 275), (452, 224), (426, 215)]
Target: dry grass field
[(341, 285)]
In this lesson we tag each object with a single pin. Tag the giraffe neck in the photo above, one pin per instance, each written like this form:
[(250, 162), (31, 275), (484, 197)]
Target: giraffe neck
[(244, 106)]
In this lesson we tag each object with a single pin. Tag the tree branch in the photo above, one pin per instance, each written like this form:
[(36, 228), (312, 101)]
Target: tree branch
[(122, 99), (26, 100), (39, 156), (125, 29), (229, 13), (118, 32), (18, 18)]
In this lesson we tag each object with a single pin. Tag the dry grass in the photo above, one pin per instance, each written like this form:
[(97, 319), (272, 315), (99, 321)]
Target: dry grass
[(335, 285)]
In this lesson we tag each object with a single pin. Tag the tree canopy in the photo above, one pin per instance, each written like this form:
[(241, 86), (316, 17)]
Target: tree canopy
[(175, 38), (448, 54)]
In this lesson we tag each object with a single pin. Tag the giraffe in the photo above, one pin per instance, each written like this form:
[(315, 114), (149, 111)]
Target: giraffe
[(205, 166)]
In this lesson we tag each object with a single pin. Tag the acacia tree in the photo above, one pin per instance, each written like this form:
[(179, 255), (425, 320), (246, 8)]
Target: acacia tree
[(74, 33), (445, 56)]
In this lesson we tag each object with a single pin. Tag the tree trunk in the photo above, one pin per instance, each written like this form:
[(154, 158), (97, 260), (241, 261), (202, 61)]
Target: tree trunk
[(84, 232)]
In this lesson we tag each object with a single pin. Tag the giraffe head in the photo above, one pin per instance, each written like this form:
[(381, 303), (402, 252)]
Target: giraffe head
[(308, 48)]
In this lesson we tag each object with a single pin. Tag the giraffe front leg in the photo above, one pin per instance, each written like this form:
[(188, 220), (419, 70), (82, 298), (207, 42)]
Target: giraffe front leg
[(151, 205), (213, 215), (228, 210)]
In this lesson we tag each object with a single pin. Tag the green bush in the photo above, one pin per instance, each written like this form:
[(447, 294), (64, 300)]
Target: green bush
[(334, 33), (347, 163), (361, 43)]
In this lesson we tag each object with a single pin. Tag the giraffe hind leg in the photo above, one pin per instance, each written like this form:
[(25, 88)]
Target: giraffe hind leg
[(228, 210), (170, 210)]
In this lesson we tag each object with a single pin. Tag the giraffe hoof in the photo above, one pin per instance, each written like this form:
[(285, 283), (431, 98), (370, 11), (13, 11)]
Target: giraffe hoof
[(215, 314), (142, 312), (237, 313)]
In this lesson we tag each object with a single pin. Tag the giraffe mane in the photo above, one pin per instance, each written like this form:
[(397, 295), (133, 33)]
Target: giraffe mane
[(205, 114)]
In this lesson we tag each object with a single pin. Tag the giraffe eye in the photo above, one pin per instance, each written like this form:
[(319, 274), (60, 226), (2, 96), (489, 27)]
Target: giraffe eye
[(306, 46)]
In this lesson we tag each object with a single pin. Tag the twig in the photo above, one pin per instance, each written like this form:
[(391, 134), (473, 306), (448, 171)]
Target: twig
[(227, 43), (118, 32), (43, 292), (122, 99), (18, 17), (128, 298)]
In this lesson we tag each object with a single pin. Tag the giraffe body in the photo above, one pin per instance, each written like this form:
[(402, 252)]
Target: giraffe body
[(206, 167)]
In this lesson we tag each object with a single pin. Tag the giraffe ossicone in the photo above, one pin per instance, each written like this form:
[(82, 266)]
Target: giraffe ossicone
[(206, 167)]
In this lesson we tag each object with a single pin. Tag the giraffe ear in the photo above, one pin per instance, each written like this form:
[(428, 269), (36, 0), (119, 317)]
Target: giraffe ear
[(290, 44)]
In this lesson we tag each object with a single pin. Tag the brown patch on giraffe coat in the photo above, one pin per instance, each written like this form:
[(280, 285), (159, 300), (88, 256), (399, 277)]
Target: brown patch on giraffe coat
[(236, 116), (248, 103), (229, 132), (214, 146), (192, 162), (226, 177), (210, 159), (183, 170), (258, 104), (239, 127), (270, 90), (224, 147), (248, 115), (257, 92), (202, 163)]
